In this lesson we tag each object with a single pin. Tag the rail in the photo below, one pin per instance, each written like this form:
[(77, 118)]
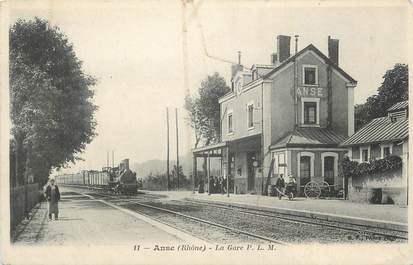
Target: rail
[(235, 230), (396, 233)]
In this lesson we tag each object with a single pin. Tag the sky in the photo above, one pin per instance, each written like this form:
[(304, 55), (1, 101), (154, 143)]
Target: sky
[(135, 50)]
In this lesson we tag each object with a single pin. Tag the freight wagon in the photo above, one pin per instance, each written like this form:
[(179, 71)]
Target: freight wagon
[(119, 180)]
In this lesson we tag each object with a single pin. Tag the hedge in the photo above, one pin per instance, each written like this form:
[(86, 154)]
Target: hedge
[(355, 169)]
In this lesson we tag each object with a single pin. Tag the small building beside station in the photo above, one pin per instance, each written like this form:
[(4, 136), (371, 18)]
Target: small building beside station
[(381, 142), (285, 118)]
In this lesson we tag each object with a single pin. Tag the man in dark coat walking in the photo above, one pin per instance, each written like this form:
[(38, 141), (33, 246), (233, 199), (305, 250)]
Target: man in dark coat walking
[(53, 196)]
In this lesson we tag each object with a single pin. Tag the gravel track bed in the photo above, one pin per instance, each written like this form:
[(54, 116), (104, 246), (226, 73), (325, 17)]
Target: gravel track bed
[(366, 230), (201, 230), (283, 230), (268, 226)]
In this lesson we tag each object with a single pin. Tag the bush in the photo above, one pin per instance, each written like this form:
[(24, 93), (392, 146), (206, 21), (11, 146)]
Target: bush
[(354, 169)]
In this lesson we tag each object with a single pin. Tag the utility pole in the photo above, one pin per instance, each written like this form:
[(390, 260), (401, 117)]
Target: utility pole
[(107, 158), (113, 158), (167, 149), (177, 147)]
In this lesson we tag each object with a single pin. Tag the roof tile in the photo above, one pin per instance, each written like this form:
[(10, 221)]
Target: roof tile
[(379, 130), (314, 136)]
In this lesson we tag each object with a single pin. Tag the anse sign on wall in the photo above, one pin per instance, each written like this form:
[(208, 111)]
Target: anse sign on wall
[(319, 92)]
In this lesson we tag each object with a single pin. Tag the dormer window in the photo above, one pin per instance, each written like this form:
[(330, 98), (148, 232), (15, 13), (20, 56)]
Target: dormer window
[(398, 116), (310, 75)]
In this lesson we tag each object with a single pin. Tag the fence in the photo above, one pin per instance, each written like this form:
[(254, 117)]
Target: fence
[(22, 200)]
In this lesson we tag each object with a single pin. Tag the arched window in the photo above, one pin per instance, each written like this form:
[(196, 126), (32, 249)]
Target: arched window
[(305, 170), (329, 166)]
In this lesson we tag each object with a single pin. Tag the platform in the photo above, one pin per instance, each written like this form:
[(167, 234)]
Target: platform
[(90, 222)]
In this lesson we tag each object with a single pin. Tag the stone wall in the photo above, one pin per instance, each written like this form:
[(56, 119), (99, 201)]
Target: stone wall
[(391, 185)]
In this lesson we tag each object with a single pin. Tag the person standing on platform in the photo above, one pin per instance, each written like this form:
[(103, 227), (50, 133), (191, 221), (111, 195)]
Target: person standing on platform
[(53, 196), (280, 185)]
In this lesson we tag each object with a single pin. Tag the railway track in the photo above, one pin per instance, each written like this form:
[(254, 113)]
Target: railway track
[(312, 221), (199, 220), (356, 230)]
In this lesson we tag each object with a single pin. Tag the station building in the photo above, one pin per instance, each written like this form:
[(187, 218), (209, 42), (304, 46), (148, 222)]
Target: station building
[(287, 117)]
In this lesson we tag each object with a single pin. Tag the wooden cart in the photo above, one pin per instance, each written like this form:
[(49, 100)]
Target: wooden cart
[(314, 189)]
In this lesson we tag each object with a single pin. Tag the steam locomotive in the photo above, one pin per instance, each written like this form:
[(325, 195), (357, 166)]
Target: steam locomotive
[(118, 180)]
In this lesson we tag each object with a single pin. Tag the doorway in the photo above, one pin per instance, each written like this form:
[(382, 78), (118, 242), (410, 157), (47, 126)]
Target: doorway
[(251, 157), (305, 172)]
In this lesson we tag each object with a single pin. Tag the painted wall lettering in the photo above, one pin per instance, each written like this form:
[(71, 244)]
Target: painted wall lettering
[(318, 92)]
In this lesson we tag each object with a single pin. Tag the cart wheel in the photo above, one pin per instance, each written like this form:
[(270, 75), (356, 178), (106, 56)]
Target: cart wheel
[(312, 189), (325, 188)]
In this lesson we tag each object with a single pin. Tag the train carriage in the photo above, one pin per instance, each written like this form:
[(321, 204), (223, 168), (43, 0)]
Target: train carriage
[(119, 180)]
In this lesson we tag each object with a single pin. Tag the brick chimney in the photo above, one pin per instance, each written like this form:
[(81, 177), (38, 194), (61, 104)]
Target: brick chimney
[(283, 47), (333, 50)]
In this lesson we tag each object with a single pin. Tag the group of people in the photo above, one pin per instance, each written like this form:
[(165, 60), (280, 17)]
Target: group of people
[(217, 184), (281, 186), (52, 195)]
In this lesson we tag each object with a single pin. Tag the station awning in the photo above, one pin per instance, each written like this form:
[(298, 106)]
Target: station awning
[(212, 150)]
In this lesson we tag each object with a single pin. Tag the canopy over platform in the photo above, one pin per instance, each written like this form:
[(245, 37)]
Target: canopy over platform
[(213, 150)]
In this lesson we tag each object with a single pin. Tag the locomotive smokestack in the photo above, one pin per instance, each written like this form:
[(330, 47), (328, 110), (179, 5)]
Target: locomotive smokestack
[(125, 163)]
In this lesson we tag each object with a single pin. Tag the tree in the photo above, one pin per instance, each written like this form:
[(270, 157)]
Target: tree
[(204, 111), (184, 182), (395, 88), (51, 101), (154, 182)]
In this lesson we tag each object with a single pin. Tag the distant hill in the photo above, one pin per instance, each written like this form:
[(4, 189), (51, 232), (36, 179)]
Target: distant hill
[(158, 166)]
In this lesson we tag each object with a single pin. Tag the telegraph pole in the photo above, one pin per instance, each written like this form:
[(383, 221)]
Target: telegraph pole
[(167, 149), (113, 158), (177, 147)]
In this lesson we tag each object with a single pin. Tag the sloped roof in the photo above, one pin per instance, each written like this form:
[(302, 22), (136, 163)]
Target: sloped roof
[(379, 130), (319, 53), (399, 106), (265, 74), (309, 136)]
